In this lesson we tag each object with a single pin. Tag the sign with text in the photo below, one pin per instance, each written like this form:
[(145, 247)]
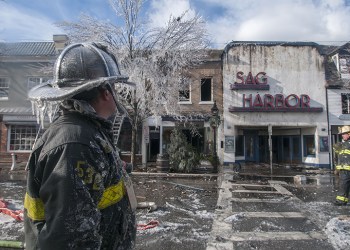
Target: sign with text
[(229, 144)]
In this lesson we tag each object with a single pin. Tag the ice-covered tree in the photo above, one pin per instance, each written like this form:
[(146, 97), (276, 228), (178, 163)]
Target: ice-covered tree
[(156, 59)]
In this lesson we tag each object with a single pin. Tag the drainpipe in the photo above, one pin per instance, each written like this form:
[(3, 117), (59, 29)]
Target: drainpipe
[(270, 145), (329, 131)]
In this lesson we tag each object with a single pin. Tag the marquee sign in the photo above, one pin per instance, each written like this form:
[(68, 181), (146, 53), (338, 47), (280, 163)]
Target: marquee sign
[(268, 102)]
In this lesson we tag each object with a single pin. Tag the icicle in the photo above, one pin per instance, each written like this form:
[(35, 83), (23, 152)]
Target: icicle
[(42, 114), (49, 111), (36, 108), (52, 110), (39, 108), (33, 107)]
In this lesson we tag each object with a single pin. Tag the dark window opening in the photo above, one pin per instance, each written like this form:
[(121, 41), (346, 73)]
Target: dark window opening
[(239, 145), (206, 89), (345, 103)]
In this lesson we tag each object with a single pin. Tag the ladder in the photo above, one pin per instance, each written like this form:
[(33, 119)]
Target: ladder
[(117, 126)]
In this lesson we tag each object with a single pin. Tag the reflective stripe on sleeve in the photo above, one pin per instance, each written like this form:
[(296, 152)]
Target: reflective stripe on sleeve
[(112, 195), (342, 198), (342, 167), (35, 207), (344, 152)]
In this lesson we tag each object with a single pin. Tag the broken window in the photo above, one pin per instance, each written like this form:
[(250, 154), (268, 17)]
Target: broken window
[(309, 145), (185, 90), (4, 88), (345, 103), (184, 95), (206, 89)]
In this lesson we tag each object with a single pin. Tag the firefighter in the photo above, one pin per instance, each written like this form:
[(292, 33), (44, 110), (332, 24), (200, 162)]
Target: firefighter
[(343, 166), (76, 195)]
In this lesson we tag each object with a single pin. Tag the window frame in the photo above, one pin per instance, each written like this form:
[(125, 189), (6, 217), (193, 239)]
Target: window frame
[(19, 136), (305, 149), (211, 90), (187, 100), (345, 107), (4, 88)]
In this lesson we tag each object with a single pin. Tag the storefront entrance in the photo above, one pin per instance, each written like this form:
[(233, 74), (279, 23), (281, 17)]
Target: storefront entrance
[(285, 148)]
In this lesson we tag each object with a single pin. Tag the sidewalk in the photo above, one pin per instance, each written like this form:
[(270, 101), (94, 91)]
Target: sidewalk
[(260, 210)]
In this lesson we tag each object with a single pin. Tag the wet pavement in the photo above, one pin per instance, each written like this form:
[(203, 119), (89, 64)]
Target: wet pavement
[(248, 210), (272, 212), (184, 211)]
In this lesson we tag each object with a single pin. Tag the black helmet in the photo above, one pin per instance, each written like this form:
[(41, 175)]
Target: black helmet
[(80, 67)]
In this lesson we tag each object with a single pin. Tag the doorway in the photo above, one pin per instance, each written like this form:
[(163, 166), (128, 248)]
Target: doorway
[(286, 149), (154, 143)]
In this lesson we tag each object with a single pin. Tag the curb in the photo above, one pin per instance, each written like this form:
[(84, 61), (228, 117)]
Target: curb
[(174, 175)]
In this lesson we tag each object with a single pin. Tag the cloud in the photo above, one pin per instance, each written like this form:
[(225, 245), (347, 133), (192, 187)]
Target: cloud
[(287, 20), (25, 25)]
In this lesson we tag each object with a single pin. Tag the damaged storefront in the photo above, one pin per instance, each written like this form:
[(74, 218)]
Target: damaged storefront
[(157, 133), (274, 104)]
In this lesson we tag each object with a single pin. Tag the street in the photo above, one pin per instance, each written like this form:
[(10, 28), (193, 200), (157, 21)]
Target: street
[(228, 212), (185, 210)]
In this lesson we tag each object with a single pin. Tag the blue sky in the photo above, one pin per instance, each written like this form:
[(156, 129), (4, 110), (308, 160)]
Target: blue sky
[(322, 21)]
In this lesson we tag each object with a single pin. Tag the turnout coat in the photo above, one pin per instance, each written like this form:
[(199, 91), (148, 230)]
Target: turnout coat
[(76, 197)]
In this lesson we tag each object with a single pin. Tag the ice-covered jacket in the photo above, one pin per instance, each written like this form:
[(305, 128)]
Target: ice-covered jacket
[(75, 196)]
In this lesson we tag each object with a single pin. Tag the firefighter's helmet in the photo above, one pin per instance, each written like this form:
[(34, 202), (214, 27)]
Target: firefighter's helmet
[(344, 129), (80, 67)]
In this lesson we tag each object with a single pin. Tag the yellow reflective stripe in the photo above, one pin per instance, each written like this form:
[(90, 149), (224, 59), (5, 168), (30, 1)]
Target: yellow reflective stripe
[(35, 207), (342, 198), (342, 167), (345, 152), (112, 195)]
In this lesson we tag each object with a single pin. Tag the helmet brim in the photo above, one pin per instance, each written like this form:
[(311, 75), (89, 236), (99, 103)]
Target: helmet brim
[(50, 92)]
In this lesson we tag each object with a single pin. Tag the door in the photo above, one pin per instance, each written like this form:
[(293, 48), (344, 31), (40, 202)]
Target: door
[(286, 149), (154, 142)]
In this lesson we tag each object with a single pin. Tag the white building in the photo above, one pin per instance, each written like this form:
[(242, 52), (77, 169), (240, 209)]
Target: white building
[(338, 90), (274, 93)]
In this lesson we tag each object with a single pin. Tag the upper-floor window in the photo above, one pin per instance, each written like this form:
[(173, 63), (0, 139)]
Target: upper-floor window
[(184, 95), (4, 88), (33, 81), (345, 103), (206, 89)]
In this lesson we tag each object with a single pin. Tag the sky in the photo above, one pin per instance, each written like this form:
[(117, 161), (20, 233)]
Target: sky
[(321, 21)]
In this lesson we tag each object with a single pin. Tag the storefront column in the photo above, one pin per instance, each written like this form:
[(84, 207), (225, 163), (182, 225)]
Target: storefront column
[(270, 145), (145, 141), (161, 138)]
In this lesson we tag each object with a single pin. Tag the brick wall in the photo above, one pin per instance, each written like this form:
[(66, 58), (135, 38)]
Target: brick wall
[(210, 69), (3, 137)]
